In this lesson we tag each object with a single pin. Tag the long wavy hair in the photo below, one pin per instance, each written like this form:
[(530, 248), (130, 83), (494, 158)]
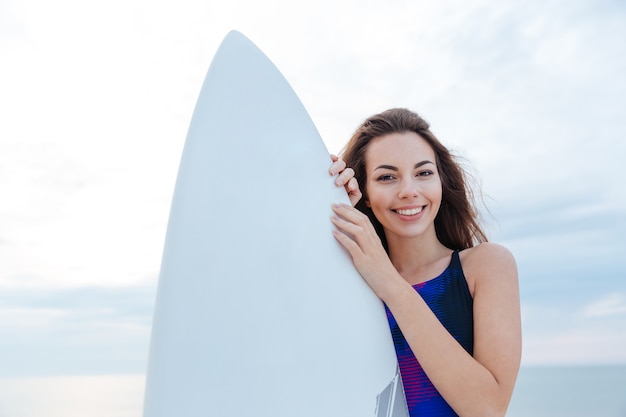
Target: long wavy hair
[(457, 221)]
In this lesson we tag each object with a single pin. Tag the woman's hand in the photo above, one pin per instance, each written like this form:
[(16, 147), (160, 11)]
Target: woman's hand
[(345, 178), (355, 232)]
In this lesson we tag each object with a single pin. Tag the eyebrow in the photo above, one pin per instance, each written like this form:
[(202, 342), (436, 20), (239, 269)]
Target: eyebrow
[(392, 168)]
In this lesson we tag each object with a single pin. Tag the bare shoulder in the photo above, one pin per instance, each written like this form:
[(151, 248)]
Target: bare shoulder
[(488, 252), (487, 262)]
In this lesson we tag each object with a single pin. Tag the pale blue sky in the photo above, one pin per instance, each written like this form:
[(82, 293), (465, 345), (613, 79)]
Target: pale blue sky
[(95, 100)]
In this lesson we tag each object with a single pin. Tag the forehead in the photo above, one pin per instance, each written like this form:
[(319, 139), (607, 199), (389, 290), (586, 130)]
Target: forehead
[(397, 148)]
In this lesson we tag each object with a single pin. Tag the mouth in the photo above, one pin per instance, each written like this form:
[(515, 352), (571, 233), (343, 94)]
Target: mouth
[(409, 212)]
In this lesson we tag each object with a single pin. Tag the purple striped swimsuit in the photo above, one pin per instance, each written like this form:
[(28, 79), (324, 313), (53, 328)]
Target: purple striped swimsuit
[(449, 298)]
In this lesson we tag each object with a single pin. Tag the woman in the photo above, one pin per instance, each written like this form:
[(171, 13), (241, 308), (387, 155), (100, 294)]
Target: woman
[(452, 299)]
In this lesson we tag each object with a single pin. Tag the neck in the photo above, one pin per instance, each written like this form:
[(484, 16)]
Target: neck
[(414, 256)]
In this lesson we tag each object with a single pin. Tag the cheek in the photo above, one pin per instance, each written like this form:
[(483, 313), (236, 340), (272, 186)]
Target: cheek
[(435, 186), (438, 190), (437, 193)]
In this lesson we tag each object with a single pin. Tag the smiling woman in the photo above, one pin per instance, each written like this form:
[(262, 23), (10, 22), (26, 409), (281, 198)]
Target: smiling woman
[(452, 299)]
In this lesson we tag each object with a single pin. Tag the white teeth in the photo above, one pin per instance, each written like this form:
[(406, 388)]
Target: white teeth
[(411, 212)]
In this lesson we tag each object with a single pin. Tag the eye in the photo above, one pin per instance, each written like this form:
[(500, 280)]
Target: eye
[(386, 178), (426, 173)]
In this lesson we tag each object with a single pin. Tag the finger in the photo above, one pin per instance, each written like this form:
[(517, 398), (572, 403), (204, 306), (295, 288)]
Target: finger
[(354, 223), (337, 167), (345, 241), (354, 199), (363, 237), (354, 193), (345, 226), (345, 176), (352, 187), (349, 213)]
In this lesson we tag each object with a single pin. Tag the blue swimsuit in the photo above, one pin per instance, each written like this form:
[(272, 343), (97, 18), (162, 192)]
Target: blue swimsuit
[(449, 298)]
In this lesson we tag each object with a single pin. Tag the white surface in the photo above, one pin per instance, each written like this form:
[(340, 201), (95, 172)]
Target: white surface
[(259, 311)]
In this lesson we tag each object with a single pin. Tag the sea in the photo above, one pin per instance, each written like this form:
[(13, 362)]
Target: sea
[(541, 391)]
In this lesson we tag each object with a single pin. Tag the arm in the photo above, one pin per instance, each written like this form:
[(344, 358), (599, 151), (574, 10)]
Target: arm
[(479, 385)]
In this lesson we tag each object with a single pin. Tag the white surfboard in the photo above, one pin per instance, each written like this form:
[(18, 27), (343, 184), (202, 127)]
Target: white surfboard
[(259, 311)]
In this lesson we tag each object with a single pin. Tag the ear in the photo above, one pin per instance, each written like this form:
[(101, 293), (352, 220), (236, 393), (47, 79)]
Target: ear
[(367, 203)]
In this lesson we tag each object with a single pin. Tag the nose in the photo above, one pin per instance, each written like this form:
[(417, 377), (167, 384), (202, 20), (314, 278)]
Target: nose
[(408, 188)]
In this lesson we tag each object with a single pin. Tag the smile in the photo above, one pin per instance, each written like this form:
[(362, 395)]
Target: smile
[(409, 212)]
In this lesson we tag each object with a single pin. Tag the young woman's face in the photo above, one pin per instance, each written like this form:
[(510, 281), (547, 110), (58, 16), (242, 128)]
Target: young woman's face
[(403, 184)]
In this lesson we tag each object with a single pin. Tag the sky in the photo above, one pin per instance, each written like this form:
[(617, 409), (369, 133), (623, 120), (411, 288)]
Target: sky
[(96, 98)]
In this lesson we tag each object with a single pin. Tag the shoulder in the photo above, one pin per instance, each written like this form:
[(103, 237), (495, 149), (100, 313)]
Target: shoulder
[(488, 262), (487, 252)]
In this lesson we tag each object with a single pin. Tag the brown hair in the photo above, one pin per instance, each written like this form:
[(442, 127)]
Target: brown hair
[(456, 223)]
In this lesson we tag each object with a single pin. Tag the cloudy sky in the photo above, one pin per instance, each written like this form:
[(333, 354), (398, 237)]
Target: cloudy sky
[(96, 97)]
